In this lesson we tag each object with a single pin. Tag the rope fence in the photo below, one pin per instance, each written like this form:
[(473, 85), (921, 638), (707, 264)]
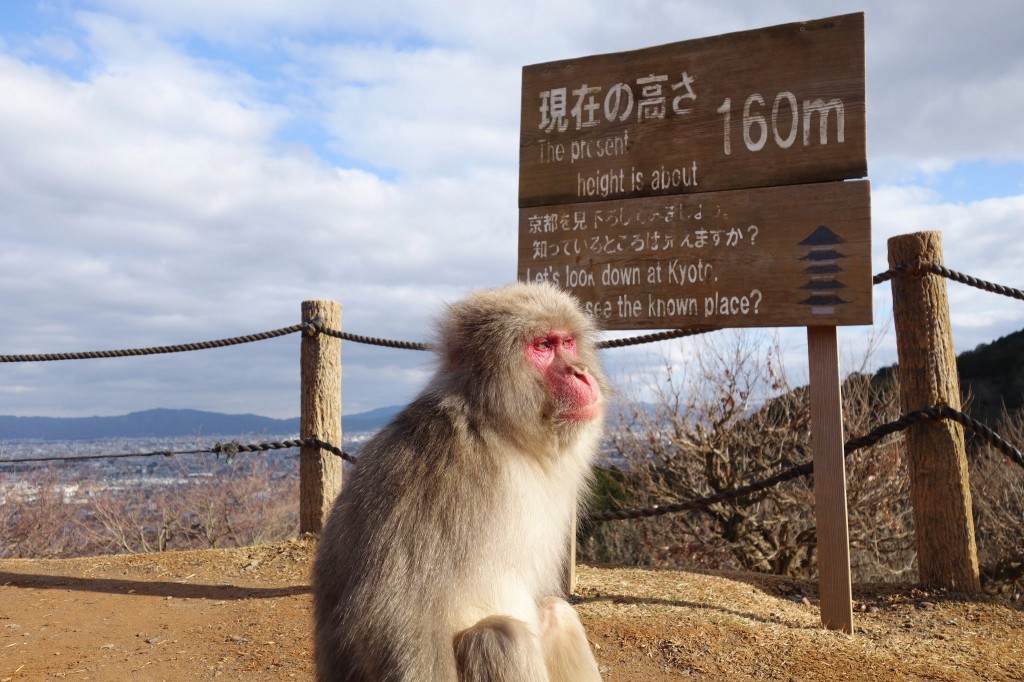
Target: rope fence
[(921, 269), (230, 450), (946, 549), (155, 350), (315, 327), (938, 413)]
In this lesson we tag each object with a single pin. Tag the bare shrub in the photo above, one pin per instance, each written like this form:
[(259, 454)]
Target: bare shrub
[(997, 491), (236, 505), (735, 419), (702, 436), (39, 519), (224, 505), (133, 521), (881, 518)]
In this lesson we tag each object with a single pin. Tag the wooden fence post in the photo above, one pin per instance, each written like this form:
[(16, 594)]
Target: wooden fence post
[(319, 470), (944, 527)]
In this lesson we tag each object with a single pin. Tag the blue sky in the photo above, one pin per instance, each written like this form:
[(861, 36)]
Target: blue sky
[(974, 180), (175, 172)]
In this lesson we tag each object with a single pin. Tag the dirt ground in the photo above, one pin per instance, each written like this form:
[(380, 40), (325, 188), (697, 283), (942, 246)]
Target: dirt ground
[(245, 614)]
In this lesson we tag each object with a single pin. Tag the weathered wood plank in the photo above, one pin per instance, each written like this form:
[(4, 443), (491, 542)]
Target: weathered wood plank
[(773, 106), (831, 519), (784, 256)]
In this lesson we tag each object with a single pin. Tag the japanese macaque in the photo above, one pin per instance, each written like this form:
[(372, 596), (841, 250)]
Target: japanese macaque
[(442, 557)]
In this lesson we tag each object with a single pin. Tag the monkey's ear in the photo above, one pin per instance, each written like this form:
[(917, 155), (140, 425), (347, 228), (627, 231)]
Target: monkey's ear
[(455, 332)]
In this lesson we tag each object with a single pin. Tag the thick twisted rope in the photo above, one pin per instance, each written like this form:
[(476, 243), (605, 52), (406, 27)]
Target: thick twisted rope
[(155, 350), (975, 282), (934, 414), (943, 271), (316, 326), (651, 338), (228, 449), (308, 328), (65, 458), (369, 340), (705, 502), (231, 449)]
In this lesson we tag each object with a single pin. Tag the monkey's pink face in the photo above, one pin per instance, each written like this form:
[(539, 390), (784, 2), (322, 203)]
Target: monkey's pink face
[(574, 389)]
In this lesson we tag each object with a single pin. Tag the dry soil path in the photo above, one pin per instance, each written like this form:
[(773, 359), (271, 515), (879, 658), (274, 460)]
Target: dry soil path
[(244, 614)]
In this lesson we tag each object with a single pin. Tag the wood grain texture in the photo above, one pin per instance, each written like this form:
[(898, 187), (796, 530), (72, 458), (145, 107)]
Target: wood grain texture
[(832, 527), (749, 109), (939, 486), (320, 472)]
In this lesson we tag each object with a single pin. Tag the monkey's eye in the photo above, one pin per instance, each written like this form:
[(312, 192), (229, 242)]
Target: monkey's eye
[(542, 344), (568, 343)]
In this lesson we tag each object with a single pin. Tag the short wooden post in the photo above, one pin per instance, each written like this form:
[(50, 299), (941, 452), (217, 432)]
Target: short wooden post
[(835, 585), (947, 555), (320, 417)]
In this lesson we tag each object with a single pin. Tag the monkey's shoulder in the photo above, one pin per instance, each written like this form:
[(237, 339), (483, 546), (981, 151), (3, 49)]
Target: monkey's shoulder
[(437, 426)]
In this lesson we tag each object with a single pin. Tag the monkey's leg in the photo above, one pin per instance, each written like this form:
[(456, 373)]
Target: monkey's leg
[(499, 649), (566, 649)]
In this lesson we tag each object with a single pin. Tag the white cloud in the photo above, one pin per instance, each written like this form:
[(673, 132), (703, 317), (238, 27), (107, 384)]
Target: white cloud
[(176, 172), (978, 240)]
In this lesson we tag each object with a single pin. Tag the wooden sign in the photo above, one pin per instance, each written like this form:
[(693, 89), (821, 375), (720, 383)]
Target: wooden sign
[(774, 106), (768, 257), (697, 184)]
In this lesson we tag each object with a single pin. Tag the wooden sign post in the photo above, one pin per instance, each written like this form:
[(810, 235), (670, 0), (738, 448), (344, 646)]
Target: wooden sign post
[(706, 184)]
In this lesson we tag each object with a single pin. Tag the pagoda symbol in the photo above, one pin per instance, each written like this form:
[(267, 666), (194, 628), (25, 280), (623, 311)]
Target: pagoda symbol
[(823, 268)]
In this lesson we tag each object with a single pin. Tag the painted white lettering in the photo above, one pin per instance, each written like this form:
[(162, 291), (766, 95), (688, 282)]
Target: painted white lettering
[(629, 307), (794, 125), (755, 126), (602, 310), (578, 277), (551, 152), (819, 107), (601, 183), (750, 120), (725, 306), (671, 307), (620, 276), (688, 273), (665, 179), (726, 111)]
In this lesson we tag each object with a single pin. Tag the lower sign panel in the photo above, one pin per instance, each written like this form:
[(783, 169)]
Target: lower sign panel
[(798, 255)]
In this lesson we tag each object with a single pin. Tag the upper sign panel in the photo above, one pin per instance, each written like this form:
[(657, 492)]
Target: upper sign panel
[(775, 106)]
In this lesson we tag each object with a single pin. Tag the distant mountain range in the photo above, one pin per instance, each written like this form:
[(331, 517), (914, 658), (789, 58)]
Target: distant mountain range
[(164, 423), (991, 377)]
